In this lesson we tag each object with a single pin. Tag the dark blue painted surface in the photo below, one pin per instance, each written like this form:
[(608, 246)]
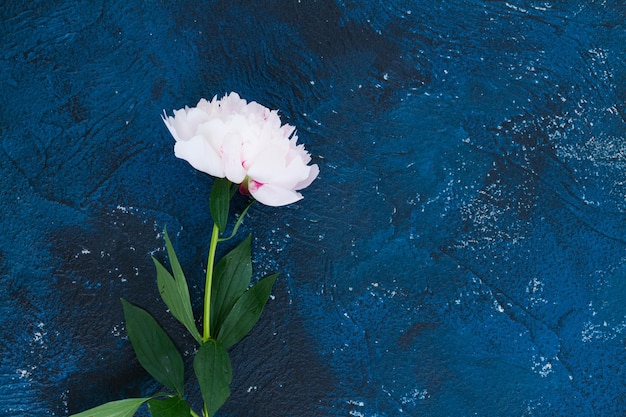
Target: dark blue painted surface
[(462, 252)]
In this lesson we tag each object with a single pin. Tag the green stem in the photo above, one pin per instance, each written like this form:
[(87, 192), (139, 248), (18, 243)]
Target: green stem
[(194, 414), (207, 285)]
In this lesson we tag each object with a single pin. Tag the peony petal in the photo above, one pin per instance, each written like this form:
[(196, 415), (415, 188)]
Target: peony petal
[(313, 173), (231, 158), (276, 169), (186, 122), (258, 111), (232, 104), (293, 174), (268, 164), (214, 131), (169, 123), (200, 155), (274, 196)]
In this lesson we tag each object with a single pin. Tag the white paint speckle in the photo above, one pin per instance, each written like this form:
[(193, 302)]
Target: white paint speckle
[(24, 373)]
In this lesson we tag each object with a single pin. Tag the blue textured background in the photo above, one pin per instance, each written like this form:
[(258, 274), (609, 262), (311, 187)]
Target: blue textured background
[(461, 254)]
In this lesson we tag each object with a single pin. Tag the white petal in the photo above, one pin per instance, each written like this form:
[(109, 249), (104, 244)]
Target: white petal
[(186, 122), (268, 164), (313, 173), (274, 196), (231, 157), (232, 104), (169, 123), (200, 155), (214, 131), (293, 174), (276, 168)]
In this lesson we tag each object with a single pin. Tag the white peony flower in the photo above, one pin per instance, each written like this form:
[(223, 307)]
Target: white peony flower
[(246, 143)]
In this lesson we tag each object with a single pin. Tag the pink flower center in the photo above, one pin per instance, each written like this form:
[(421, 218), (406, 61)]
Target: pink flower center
[(248, 186)]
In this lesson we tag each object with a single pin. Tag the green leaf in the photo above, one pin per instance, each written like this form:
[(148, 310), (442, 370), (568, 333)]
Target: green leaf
[(120, 408), (214, 372), (154, 349), (231, 278), (219, 202), (174, 290), (178, 304), (171, 407), (246, 312)]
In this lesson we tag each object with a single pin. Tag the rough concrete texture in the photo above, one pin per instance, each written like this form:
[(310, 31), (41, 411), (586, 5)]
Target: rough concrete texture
[(461, 254)]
